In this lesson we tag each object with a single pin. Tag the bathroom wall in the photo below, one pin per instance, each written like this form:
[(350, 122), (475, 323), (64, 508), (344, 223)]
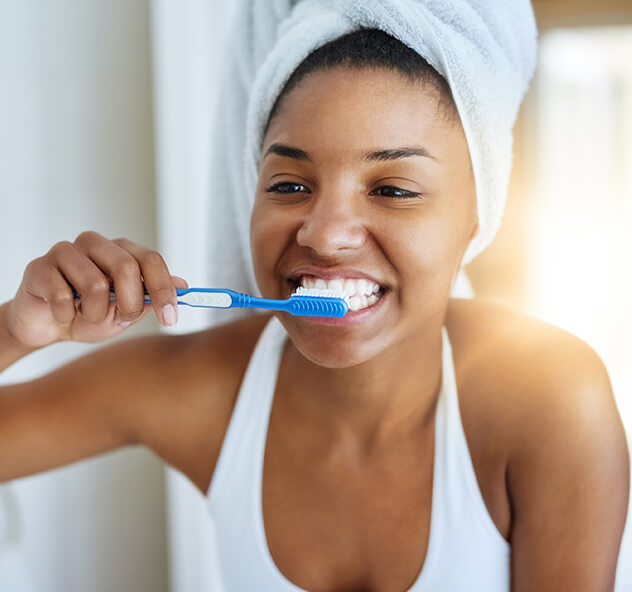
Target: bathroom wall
[(76, 153)]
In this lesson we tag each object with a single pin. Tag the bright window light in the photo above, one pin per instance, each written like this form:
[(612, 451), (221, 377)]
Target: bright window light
[(579, 230)]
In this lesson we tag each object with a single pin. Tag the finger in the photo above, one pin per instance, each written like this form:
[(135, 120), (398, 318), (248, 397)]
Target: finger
[(179, 282), (43, 280), (90, 282), (125, 271), (146, 309), (157, 279)]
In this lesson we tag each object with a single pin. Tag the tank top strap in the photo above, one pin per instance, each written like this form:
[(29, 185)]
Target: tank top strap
[(457, 479), (459, 524)]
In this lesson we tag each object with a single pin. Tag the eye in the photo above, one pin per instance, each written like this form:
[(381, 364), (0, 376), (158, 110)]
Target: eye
[(394, 192), (287, 187)]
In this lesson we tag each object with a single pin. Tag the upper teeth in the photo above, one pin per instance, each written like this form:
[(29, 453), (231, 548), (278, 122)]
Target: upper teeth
[(352, 288)]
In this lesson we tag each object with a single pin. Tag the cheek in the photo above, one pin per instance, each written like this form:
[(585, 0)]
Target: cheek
[(426, 255), (268, 237), (425, 243)]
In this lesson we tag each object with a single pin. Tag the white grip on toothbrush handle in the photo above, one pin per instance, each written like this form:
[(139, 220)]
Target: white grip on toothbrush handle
[(210, 299)]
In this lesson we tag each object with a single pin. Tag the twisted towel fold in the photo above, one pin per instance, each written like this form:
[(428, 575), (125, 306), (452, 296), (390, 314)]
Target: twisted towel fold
[(485, 49)]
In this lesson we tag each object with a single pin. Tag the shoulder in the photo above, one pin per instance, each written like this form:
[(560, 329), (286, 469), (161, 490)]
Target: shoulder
[(473, 323), (538, 407), (532, 374)]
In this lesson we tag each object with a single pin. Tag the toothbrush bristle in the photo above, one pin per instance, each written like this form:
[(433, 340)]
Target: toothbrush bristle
[(318, 303), (300, 291)]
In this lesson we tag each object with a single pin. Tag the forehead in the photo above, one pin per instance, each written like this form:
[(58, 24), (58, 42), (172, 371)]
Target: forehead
[(348, 109)]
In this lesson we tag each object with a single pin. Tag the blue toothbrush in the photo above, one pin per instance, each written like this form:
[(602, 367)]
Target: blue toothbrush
[(306, 302)]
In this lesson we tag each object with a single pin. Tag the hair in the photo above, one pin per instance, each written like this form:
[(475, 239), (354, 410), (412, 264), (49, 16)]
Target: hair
[(371, 48)]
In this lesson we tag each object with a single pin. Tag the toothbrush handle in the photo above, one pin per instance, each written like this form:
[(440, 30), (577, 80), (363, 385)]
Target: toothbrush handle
[(224, 298), (201, 297)]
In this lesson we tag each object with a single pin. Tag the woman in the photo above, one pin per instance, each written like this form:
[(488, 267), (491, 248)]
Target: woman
[(422, 442)]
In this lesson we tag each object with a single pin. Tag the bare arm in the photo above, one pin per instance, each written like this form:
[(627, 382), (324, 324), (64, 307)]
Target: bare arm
[(171, 393), (79, 410), (568, 477)]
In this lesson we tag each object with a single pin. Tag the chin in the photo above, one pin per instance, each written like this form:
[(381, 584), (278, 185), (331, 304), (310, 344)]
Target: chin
[(322, 348)]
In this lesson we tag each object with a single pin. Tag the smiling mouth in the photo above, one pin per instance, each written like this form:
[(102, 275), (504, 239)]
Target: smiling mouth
[(361, 293)]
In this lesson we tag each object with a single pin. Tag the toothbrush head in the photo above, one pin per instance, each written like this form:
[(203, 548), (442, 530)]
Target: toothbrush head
[(311, 302)]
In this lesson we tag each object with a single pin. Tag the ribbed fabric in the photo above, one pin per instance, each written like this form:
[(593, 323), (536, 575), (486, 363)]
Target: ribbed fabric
[(465, 550)]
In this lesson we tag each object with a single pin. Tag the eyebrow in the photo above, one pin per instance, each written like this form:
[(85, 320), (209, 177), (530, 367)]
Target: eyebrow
[(376, 155), (397, 153), (287, 151)]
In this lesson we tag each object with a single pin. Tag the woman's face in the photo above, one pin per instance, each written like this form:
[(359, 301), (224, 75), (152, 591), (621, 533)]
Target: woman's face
[(363, 183)]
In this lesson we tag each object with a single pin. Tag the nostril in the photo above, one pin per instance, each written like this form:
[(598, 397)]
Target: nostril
[(328, 237)]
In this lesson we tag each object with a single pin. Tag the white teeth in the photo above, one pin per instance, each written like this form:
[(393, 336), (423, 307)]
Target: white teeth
[(349, 288), (357, 303), (360, 292), (335, 285)]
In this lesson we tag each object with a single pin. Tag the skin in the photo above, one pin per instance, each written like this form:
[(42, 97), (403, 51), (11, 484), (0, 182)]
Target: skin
[(340, 217), (360, 406), (350, 443)]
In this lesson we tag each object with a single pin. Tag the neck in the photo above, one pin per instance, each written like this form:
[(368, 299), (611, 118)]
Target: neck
[(367, 405)]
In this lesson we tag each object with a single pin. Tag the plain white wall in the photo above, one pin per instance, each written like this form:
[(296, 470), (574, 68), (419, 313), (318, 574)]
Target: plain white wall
[(76, 153)]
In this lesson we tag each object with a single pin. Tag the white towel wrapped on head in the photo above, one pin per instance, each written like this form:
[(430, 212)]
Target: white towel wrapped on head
[(485, 49)]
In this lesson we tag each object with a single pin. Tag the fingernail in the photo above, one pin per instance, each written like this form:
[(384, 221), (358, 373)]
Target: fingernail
[(125, 324), (169, 314)]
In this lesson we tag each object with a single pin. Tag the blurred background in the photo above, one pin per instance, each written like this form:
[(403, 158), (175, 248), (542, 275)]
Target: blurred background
[(106, 118)]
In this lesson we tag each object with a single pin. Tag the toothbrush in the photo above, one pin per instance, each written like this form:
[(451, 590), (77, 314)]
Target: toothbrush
[(309, 302)]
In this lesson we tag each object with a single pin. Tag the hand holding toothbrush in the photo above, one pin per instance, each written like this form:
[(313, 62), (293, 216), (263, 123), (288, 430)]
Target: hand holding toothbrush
[(94, 288), (44, 309)]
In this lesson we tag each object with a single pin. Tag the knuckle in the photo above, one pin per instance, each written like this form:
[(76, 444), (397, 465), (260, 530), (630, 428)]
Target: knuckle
[(98, 286), (61, 297), (39, 269), (86, 236), (128, 267), (61, 247), (152, 258), (34, 265)]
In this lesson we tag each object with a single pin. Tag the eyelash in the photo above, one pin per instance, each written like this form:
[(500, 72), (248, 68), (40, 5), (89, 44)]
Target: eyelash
[(406, 194), (276, 188)]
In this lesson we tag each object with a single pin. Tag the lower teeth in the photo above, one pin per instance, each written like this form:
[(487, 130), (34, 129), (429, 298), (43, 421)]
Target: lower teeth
[(361, 302)]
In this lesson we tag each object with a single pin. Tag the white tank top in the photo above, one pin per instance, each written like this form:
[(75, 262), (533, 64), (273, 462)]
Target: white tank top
[(465, 550)]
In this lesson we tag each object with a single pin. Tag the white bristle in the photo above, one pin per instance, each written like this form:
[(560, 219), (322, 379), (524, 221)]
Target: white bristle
[(300, 291)]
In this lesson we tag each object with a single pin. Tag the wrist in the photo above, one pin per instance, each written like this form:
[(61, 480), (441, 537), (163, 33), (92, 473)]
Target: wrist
[(11, 348)]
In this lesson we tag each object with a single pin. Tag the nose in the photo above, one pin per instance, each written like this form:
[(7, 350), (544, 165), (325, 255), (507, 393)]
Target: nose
[(331, 225)]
